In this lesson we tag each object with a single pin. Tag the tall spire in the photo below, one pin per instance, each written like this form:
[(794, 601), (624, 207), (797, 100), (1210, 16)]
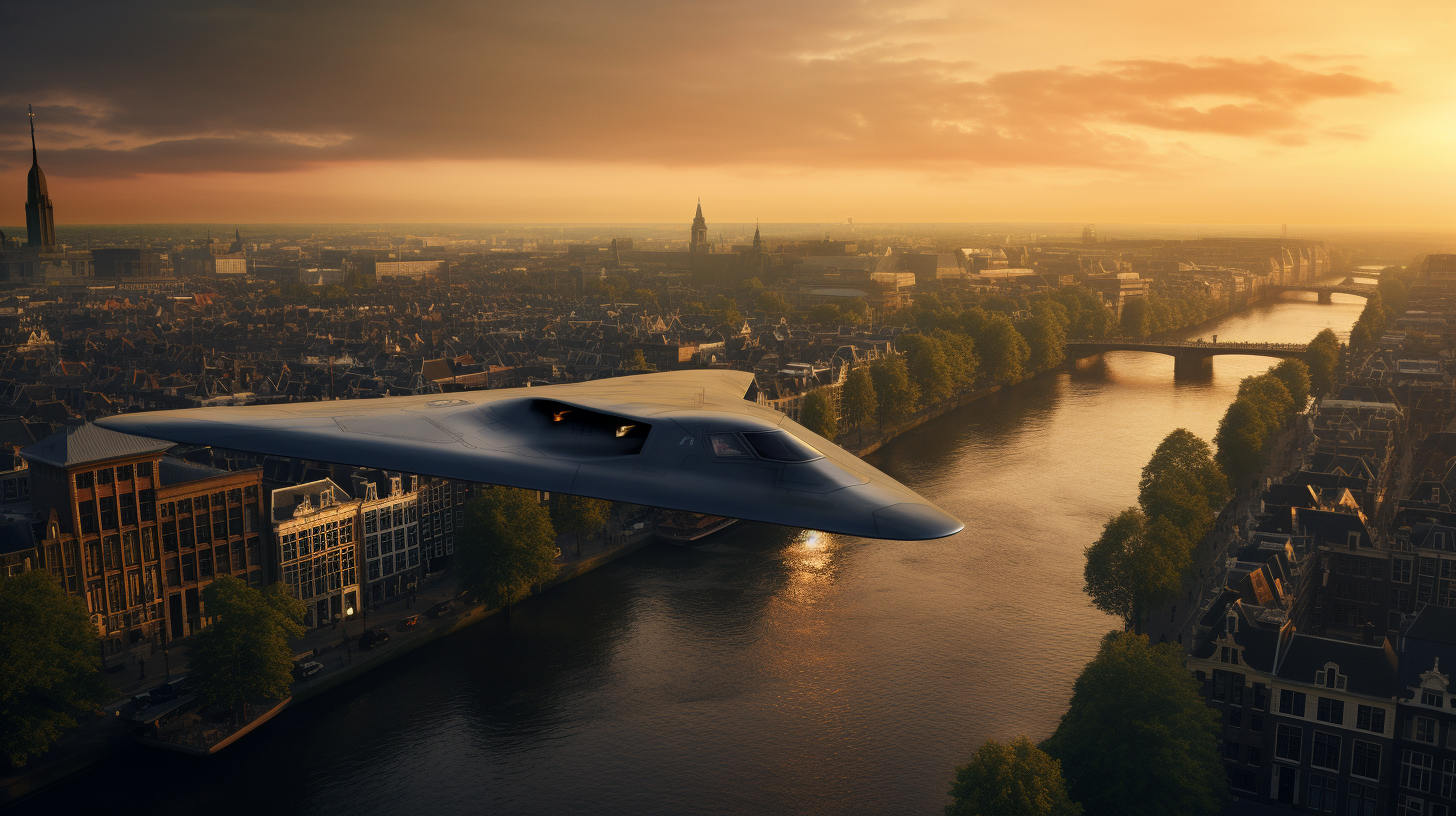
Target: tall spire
[(40, 219), (31, 110), (700, 200)]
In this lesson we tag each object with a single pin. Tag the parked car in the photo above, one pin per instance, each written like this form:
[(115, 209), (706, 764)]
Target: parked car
[(440, 610), (169, 691), (372, 638), (406, 624), (303, 671), (142, 701)]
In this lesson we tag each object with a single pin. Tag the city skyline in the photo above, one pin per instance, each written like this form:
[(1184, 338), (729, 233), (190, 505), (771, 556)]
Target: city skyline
[(882, 112)]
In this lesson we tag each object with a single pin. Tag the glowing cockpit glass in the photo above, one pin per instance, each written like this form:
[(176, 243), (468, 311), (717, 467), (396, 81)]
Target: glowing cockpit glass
[(781, 446), (728, 446)]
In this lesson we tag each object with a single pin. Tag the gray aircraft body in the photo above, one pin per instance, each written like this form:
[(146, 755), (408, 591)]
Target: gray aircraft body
[(683, 440)]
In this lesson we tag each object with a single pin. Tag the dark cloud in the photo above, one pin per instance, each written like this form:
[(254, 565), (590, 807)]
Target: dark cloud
[(263, 86)]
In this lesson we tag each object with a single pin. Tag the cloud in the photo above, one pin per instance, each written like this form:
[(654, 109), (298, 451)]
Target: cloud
[(270, 86)]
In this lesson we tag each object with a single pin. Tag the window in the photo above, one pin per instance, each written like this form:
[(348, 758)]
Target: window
[(1235, 717), (1448, 779), (1425, 730), (235, 520), (1415, 770), (148, 501), (1256, 722), (204, 563), (1330, 711), (1244, 779), (1370, 718), (1261, 697), (1409, 806), (1254, 755), (1366, 760), (83, 480), (371, 521), (108, 513), (1431, 698), (1291, 702), (371, 546), (1287, 742), (88, 516), (128, 509), (781, 446), (174, 577), (1231, 751), (1362, 798), (728, 446), (220, 559), (123, 473), (103, 476), (235, 496), (374, 570), (1326, 753), (189, 568), (144, 468), (1322, 793)]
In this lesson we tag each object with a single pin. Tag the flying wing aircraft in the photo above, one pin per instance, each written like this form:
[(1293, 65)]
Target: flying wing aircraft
[(683, 440)]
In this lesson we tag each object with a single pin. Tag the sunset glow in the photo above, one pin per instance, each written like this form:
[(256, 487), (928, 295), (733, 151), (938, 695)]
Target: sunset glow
[(883, 111)]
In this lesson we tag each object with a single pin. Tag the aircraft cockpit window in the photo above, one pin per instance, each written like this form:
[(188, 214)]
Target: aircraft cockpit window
[(781, 446), (728, 446)]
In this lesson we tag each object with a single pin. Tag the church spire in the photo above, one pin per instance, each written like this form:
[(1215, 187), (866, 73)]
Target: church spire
[(33, 159), (40, 219)]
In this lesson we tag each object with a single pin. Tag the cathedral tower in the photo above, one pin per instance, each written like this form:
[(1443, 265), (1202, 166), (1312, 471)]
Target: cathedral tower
[(698, 245), (40, 219)]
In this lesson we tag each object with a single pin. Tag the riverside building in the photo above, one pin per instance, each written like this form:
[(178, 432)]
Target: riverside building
[(315, 530)]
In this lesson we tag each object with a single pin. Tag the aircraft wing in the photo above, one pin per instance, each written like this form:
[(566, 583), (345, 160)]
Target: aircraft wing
[(683, 440)]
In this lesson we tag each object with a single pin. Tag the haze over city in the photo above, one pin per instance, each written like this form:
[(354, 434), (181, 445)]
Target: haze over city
[(1235, 113)]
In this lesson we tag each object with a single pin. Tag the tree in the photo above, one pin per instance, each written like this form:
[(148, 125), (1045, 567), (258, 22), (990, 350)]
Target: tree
[(1135, 322), (817, 414), (1322, 357), (1240, 443), (1370, 326), (894, 391), (1135, 566), (1268, 394), (1137, 736), (1393, 291), (930, 370), (1183, 484), (1003, 350), (1046, 335), (245, 654), (578, 514), (770, 302), (960, 355), (825, 314), (750, 286), (50, 671), (646, 297), (637, 361), (1016, 778), (725, 311), (861, 404), (506, 547), (1295, 376)]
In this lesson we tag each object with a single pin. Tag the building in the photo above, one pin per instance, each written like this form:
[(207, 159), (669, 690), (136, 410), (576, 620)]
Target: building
[(315, 530), (698, 242), (442, 513), (389, 506), (40, 217), (1426, 708), (102, 496), (211, 525)]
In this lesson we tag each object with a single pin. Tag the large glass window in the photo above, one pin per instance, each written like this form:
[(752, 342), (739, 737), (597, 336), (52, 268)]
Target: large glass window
[(88, 516), (108, 512), (1330, 711), (781, 446), (728, 446), (83, 480), (1415, 770), (1288, 742), (1322, 792), (1326, 751), (1366, 760), (1291, 702)]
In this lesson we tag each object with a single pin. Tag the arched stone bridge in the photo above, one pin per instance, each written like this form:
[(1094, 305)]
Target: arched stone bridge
[(1188, 355), (1325, 290)]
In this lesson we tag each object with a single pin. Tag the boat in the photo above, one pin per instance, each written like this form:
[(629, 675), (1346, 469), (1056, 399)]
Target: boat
[(679, 527)]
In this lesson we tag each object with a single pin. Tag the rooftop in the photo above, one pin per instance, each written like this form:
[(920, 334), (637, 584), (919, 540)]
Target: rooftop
[(82, 444)]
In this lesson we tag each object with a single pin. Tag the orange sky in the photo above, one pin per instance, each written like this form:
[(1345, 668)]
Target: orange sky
[(578, 110)]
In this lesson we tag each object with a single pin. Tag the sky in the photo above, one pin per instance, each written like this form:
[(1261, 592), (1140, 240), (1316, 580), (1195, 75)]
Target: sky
[(1303, 112)]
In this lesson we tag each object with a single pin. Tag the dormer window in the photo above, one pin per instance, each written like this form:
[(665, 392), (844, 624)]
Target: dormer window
[(1435, 495), (1329, 677), (1433, 699), (1352, 539), (1233, 624)]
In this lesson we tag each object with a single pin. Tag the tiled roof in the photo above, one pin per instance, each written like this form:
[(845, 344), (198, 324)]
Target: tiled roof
[(80, 444)]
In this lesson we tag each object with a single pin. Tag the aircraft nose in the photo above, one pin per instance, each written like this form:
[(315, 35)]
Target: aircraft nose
[(915, 522)]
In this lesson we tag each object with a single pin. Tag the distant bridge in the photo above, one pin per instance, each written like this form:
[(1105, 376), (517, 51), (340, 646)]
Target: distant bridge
[(1325, 290), (1188, 355)]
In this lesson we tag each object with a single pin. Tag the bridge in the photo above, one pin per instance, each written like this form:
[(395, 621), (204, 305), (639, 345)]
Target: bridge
[(1189, 356), (1325, 290)]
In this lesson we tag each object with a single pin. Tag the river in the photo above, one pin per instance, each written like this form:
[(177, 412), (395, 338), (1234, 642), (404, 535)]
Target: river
[(767, 671)]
